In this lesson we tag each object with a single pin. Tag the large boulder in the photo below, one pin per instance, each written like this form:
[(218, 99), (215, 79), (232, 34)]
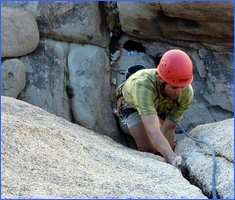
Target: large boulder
[(45, 156), (47, 78), (78, 22), (89, 76), (20, 35), (13, 77), (190, 21), (198, 158)]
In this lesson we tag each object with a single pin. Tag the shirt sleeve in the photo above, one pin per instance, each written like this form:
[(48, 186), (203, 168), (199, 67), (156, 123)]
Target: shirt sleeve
[(184, 102)]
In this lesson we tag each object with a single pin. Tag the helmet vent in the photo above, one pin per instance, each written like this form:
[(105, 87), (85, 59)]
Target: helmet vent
[(183, 80)]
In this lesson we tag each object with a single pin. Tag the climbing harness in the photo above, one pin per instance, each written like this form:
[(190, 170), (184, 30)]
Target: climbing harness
[(122, 110), (120, 102), (212, 153)]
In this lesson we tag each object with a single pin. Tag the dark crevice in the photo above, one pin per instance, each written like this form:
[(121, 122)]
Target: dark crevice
[(131, 45), (156, 59), (194, 181), (103, 24), (126, 140), (113, 25)]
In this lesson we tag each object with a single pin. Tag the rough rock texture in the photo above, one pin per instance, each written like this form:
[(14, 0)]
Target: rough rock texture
[(13, 77), (47, 78), (20, 35), (190, 21), (200, 11), (213, 85), (78, 22), (44, 156), (89, 76), (198, 159)]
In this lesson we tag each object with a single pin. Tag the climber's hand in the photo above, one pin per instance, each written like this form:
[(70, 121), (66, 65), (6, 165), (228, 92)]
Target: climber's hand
[(177, 162)]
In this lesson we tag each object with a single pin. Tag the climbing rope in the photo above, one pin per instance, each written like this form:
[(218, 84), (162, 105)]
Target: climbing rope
[(212, 153)]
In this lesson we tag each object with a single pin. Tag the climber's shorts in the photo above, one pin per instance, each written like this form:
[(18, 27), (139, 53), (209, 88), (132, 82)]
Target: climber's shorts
[(133, 119)]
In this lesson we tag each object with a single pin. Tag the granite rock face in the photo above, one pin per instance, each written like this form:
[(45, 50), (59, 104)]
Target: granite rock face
[(46, 78), (190, 21), (13, 77), (77, 22), (89, 76), (198, 159), (45, 156), (20, 35)]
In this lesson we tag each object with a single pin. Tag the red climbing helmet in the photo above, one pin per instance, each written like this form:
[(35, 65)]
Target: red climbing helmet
[(176, 68)]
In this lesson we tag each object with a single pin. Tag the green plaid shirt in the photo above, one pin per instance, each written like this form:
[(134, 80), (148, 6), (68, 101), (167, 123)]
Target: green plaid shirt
[(142, 92)]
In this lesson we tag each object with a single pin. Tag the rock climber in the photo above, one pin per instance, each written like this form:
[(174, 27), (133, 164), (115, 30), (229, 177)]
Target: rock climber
[(151, 96)]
